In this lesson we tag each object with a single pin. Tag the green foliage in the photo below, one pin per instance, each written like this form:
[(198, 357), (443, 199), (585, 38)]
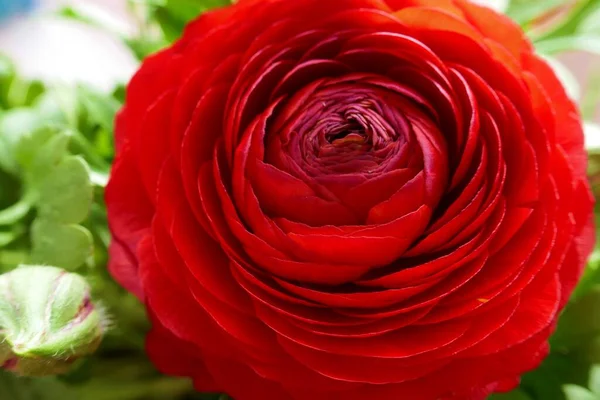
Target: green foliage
[(173, 15), (66, 246), (574, 392), (56, 148), (514, 395), (15, 388), (578, 29), (526, 11), (66, 193)]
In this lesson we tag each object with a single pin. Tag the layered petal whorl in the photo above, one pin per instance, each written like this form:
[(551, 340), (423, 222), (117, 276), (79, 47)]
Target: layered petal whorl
[(349, 199)]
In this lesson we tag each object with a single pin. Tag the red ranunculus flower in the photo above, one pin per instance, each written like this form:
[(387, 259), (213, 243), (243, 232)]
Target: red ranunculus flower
[(349, 199)]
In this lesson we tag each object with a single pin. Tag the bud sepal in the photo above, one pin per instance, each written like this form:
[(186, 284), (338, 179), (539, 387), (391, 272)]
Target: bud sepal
[(47, 320)]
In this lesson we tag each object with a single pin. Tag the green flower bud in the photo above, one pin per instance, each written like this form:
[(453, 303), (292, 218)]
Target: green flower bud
[(47, 320)]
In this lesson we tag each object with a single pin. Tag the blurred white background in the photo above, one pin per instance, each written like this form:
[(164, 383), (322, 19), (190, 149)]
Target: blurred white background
[(49, 47)]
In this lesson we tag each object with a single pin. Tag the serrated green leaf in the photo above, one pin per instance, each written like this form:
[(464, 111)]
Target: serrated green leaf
[(66, 193), (31, 143), (48, 157), (14, 125), (65, 246), (574, 392)]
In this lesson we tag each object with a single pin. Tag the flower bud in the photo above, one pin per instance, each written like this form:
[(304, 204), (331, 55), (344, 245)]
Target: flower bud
[(47, 320)]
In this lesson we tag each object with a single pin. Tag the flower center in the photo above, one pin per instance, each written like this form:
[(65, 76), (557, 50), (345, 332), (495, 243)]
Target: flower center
[(356, 142), (358, 124)]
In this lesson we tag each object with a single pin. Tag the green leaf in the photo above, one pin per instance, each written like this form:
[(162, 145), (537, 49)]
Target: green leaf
[(574, 392), (101, 109), (97, 121), (173, 15), (18, 122), (48, 157), (594, 384), (561, 367), (7, 76), (58, 106), (514, 395), (580, 321), (590, 22), (31, 144), (145, 45), (171, 27), (65, 246), (186, 10), (50, 108), (23, 93), (578, 17), (524, 11), (66, 193), (15, 213), (7, 237), (14, 125), (584, 42)]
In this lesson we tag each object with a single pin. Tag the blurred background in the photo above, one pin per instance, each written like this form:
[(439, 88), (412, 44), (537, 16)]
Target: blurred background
[(82, 40), (45, 45)]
